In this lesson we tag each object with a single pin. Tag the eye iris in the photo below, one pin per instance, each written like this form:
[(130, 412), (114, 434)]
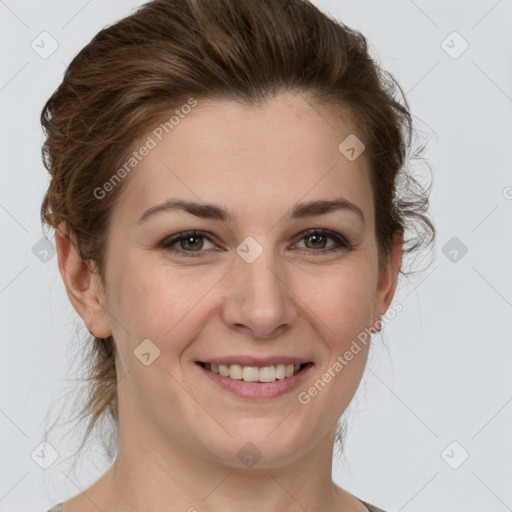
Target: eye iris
[(315, 239), (187, 240)]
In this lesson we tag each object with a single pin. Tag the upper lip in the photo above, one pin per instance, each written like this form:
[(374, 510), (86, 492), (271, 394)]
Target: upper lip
[(246, 360)]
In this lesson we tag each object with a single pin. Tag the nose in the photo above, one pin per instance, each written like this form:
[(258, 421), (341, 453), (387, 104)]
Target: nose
[(257, 298)]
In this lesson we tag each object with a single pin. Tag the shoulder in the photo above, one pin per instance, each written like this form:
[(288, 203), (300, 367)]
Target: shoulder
[(56, 508)]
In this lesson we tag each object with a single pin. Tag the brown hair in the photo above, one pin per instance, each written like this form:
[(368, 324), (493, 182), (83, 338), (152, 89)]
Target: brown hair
[(136, 71)]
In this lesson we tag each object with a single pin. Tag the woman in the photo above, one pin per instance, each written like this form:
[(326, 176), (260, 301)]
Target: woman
[(224, 190)]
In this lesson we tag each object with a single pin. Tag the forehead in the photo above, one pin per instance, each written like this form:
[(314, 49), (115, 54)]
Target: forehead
[(251, 159)]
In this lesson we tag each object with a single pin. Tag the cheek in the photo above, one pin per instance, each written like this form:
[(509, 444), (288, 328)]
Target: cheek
[(343, 302), (155, 301), (343, 310)]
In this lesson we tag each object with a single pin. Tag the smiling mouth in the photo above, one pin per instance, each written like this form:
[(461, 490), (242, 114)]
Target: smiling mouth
[(261, 374)]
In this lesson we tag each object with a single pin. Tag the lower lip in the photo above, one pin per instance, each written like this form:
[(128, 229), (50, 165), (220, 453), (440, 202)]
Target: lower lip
[(257, 390)]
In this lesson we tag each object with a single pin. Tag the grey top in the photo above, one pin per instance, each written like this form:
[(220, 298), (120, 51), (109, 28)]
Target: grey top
[(371, 508)]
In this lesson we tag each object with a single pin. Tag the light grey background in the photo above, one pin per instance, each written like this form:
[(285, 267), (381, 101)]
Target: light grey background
[(445, 375)]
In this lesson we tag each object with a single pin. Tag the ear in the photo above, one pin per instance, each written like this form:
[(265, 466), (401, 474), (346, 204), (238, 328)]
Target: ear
[(83, 286), (388, 277)]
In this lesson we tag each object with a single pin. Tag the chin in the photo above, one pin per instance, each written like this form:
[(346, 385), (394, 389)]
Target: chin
[(258, 448)]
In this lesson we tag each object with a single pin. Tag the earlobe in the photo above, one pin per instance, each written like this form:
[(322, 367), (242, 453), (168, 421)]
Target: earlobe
[(82, 284)]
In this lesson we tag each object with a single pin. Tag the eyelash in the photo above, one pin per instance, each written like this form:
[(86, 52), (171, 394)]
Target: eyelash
[(342, 243)]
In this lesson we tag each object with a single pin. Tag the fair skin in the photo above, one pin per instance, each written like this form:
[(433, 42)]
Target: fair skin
[(180, 432)]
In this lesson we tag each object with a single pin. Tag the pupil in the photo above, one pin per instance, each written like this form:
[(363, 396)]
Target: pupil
[(190, 243), (316, 239)]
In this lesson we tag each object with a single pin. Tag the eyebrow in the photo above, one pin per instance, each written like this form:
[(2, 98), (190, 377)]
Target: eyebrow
[(214, 212)]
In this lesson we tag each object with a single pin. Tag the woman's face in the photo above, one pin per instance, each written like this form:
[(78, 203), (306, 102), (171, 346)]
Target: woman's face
[(250, 286)]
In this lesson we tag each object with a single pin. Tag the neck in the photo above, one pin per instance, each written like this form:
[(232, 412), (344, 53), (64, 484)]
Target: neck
[(146, 476)]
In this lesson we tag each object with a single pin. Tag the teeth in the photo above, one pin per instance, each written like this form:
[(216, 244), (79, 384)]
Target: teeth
[(235, 371), (250, 373), (254, 373), (266, 373), (280, 371)]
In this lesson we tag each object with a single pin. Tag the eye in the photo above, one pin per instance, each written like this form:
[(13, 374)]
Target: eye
[(316, 240), (188, 242)]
